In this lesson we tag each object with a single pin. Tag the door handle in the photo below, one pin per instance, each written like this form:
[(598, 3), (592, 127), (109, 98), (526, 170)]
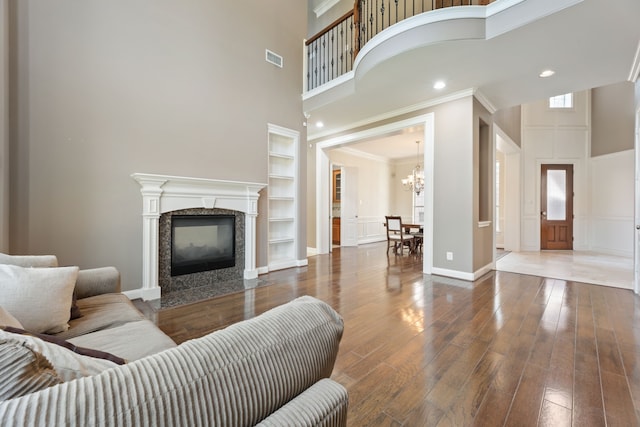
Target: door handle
[(543, 213)]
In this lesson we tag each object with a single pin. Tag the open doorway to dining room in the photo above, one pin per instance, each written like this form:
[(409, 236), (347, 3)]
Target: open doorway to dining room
[(370, 159)]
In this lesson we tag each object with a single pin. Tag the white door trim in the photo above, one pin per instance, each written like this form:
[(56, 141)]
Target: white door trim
[(636, 258)]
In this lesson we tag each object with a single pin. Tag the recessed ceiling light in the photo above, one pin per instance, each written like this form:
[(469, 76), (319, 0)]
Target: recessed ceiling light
[(439, 85), (547, 73), (319, 124)]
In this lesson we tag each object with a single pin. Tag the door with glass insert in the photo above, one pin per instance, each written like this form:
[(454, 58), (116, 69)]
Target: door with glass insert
[(556, 207)]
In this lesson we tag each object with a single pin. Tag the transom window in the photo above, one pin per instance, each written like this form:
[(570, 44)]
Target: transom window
[(561, 101)]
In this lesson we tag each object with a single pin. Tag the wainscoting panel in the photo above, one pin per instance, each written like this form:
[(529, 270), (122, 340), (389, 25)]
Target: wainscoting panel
[(371, 229), (612, 208), (612, 236), (530, 234)]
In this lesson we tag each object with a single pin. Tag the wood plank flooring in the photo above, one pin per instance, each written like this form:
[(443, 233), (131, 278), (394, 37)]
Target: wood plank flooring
[(418, 350)]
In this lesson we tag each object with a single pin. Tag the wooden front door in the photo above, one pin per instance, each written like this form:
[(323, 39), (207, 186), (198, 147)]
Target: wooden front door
[(556, 207)]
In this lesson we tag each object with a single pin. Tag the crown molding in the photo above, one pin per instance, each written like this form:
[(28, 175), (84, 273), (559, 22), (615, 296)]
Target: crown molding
[(324, 6), (482, 98)]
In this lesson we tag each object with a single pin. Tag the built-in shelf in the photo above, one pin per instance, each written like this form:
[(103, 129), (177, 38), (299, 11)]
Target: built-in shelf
[(276, 155), (282, 240), (283, 149)]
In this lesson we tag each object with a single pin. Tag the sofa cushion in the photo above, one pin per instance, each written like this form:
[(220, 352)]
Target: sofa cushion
[(89, 352), (67, 364), (131, 341), (6, 319), (75, 312), (40, 298), (101, 312), (23, 370), (29, 260)]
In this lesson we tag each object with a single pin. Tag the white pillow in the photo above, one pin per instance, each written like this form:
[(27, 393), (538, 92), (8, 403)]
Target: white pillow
[(40, 298), (29, 260), (67, 364), (6, 319)]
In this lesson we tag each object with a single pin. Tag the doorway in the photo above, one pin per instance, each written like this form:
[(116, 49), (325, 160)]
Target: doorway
[(324, 180), (336, 202), (556, 206), (344, 210), (507, 192)]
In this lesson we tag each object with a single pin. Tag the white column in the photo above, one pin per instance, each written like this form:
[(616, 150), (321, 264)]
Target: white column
[(250, 247), (250, 270), (151, 192)]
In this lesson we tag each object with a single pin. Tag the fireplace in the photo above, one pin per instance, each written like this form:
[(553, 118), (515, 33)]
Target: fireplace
[(164, 195), (202, 243), (198, 258)]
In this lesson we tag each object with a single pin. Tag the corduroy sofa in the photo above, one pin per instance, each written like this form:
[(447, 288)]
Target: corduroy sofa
[(272, 370)]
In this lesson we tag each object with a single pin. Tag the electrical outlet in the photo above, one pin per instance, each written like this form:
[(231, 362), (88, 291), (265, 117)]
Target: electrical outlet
[(449, 256)]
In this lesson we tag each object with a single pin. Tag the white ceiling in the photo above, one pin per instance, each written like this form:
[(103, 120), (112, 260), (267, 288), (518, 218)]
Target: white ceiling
[(589, 44), (397, 146)]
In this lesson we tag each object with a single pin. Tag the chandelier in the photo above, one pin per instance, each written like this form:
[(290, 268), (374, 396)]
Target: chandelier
[(415, 180)]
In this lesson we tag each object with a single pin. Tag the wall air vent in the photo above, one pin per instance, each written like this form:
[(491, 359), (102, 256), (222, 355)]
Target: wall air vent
[(274, 58)]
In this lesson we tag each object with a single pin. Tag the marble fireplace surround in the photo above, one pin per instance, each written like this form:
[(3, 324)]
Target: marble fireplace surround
[(164, 193)]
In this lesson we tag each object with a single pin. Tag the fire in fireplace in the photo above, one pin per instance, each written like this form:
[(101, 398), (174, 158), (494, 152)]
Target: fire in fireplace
[(202, 243)]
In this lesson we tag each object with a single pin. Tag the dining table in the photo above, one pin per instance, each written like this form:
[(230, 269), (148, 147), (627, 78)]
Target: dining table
[(418, 235)]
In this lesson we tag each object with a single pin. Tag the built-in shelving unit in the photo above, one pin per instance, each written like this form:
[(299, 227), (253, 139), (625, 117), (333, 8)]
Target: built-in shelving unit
[(283, 177)]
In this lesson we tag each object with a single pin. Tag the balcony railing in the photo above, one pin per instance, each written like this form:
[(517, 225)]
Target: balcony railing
[(332, 51)]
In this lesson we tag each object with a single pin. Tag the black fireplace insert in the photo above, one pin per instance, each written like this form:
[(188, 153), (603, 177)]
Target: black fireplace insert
[(202, 243)]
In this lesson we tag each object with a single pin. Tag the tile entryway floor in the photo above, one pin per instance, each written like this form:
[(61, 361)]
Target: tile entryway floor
[(578, 266)]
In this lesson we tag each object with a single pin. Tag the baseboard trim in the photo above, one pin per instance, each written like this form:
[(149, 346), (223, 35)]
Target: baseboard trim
[(144, 294), (371, 240), (134, 294), (455, 274), (484, 270)]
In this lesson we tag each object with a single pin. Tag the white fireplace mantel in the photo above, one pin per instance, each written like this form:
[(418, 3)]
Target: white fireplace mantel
[(163, 193)]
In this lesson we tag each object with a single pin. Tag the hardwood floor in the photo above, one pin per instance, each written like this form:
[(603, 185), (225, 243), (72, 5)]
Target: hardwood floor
[(508, 349)]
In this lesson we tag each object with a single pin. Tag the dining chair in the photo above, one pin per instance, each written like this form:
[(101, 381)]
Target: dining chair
[(396, 235)]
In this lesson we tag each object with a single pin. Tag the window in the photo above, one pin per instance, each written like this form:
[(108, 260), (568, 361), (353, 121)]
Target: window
[(561, 101)]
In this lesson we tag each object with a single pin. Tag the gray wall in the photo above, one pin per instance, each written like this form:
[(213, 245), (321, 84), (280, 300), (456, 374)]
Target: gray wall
[(612, 118), (4, 126), (104, 89), (510, 121), (482, 236), (453, 205)]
